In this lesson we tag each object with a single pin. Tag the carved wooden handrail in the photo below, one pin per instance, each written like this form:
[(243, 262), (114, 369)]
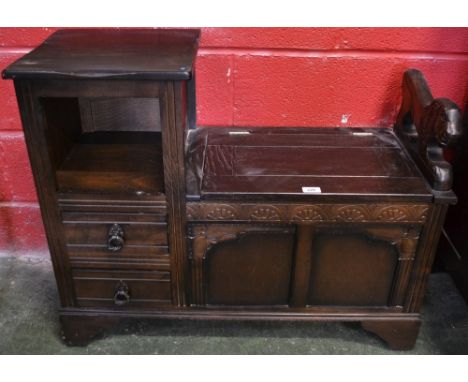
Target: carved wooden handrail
[(426, 126)]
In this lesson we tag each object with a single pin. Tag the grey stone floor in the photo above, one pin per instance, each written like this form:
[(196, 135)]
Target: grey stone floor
[(29, 325)]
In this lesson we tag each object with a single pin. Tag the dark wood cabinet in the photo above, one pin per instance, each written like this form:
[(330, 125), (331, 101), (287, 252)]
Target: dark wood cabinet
[(149, 217), (104, 115)]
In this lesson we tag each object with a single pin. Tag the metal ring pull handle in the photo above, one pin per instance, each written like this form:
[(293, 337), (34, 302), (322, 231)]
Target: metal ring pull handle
[(115, 238), (122, 294)]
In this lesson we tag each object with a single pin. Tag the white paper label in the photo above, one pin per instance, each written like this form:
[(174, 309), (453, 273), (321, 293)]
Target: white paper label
[(359, 134), (311, 190), (239, 132)]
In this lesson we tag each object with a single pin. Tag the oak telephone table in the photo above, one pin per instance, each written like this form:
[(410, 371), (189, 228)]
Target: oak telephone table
[(147, 216)]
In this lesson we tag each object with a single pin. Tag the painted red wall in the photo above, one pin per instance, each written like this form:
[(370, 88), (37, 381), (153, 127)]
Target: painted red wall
[(259, 77)]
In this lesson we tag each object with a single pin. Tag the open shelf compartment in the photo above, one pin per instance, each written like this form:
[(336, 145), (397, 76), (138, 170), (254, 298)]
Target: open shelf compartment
[(105, 145)]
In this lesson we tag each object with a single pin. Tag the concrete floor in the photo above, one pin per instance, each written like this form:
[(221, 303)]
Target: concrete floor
[(29, 325)]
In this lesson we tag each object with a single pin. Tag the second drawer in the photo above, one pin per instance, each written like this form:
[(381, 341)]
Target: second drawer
[(114, 230)]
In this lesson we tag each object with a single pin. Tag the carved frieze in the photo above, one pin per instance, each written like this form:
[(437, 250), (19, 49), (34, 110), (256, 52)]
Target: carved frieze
[(222, 212), (392, 213), (313, 213), (352, 213), (267, 213), (308, 213)]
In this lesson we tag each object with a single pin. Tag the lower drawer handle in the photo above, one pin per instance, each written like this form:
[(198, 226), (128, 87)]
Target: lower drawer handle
[(115, 238), (122, 294)]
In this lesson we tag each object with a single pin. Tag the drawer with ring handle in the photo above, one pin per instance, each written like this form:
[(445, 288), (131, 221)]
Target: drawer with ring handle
[(118, 247), (115, 232), (121, 289)]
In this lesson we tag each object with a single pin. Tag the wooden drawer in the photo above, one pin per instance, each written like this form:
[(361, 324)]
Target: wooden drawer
[(130, 256), (121, 289), (94, 229)]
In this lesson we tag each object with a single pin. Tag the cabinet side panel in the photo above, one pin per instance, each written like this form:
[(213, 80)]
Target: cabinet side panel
[(425, 257), (34, 131), (173, 124)]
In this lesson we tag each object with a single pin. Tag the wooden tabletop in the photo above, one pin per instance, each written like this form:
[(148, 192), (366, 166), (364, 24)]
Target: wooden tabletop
[(301, 163), (157, 54)]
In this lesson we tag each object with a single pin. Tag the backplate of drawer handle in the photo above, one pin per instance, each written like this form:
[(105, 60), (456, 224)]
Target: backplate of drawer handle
[(115, 238)]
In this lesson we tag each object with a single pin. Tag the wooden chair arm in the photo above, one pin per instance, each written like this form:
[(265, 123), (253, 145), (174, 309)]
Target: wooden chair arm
[(426, 126)]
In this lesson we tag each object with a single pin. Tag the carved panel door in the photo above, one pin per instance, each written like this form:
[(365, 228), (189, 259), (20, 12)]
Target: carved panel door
[(241, 264), (303, 265), (359, 265)]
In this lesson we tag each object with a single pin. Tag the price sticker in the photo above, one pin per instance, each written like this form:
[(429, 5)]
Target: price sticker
[(311, 190)]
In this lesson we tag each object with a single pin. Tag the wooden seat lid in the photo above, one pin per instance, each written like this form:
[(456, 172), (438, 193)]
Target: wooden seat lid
[(301, 163), (156, 54)]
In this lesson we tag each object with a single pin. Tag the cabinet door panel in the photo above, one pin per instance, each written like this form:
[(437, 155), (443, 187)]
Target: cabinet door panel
[(351, 269), (238, 264), (252, 270), (361, 265)]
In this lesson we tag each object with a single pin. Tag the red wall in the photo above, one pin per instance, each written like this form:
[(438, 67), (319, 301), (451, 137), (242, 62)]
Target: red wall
[(259, 77)]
